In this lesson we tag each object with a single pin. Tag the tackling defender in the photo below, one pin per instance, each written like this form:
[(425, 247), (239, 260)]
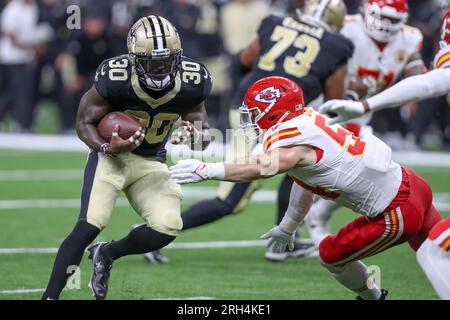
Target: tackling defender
[(157, 84), (395, 203), (386, 50), (434, 254), (307, 50)]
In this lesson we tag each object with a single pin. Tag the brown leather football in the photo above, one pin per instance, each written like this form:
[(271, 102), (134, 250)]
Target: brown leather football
[(128, 125)]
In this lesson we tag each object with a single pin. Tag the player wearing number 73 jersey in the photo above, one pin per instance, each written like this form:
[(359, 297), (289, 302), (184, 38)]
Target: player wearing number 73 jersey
[(395, 203), (156, 84)]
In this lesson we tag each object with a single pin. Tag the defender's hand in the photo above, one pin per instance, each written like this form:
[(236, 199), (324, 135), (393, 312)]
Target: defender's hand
[(345, 110), (191, 170), (279, 240), (118, 145), (185, 133)]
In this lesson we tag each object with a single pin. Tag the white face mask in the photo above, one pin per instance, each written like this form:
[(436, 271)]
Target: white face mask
[(379, 26), (157, 84)]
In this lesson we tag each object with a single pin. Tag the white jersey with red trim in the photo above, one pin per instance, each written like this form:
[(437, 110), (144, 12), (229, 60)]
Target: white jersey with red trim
[(369, 63), (356, 173), (442, 58)]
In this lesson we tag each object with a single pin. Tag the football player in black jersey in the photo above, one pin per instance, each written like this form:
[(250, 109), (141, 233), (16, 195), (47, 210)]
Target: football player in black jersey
[(156, 84), (307, 50)]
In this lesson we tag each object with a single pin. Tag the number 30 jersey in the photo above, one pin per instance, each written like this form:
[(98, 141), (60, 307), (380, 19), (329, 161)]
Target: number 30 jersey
[(299, 51), (116, 81), (356, 173)]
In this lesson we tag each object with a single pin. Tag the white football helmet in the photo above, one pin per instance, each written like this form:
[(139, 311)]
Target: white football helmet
[(384, 18)]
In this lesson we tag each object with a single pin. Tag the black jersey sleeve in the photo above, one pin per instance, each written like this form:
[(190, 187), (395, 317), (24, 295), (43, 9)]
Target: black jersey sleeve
[(267, 24), (340, 50), (208, 82), (196, 82), (111, 76)]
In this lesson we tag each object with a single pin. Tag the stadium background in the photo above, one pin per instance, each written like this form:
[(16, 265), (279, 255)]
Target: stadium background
[(41, 160)]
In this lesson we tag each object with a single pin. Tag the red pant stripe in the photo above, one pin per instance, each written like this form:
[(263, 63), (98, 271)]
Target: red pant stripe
[(393, 230), (445, 244), (398, 233)]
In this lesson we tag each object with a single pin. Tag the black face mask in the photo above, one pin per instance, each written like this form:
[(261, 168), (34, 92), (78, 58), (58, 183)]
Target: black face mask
[(157, 74), (157, 68)]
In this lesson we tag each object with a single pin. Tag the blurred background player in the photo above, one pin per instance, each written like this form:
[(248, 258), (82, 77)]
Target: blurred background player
[(156, 84), (23, 39), (209, 25), (394, 202), (307, 50), (386, 50), (434, 253)]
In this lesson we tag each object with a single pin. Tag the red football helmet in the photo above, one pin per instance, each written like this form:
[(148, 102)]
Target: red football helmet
[(445, 31), (270, 101), (384, 18)]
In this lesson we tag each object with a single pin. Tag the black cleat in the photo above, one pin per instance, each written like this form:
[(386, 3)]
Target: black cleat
[(101, 271), (384, 295), (156, 257)]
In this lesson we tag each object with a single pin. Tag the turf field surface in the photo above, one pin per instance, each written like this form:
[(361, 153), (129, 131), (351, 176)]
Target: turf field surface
[(39, 196)]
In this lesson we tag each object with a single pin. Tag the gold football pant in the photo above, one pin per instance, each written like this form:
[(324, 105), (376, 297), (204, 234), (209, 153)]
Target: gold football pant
[(145, 182)]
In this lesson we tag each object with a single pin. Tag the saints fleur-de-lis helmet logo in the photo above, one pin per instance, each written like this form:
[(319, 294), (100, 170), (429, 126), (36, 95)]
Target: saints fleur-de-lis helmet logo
[(132, 39)]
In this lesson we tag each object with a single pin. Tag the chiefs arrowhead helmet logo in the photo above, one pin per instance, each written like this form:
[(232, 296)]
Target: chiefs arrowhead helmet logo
[(268, 95)]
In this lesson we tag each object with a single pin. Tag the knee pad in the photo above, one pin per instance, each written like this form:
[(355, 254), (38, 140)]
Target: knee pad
[(168, 222), (326, 252)]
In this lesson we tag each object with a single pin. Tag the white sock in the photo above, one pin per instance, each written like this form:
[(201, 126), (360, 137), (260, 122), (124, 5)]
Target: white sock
[(355, 276), (318, 219)]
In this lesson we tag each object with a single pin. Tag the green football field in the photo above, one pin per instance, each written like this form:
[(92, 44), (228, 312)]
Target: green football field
[(39, 195)]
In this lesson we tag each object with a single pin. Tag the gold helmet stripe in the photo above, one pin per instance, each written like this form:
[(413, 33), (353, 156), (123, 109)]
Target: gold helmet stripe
[(321, 8), (156, 29)]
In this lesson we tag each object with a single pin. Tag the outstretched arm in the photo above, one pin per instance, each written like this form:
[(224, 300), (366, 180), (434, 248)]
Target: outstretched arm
[(429, 85), (247, 169)]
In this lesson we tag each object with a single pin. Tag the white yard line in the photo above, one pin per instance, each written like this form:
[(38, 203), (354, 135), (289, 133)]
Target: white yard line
[(441, 199), (218, 244), (18, 291), (23, 291), (77, 174), (179, 245), (216, 150), (41, 142), (190, 194), (41, 175), (187, 298)]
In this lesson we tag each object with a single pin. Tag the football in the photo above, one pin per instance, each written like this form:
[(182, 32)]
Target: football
[(128, 125)]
